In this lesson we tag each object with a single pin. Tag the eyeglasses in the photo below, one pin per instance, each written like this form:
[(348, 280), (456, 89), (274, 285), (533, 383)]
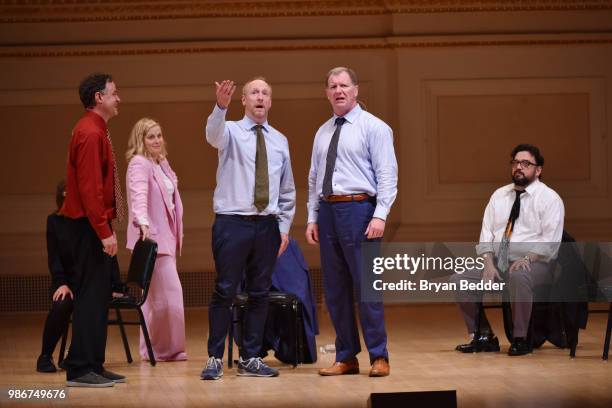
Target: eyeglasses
[(523, 164)]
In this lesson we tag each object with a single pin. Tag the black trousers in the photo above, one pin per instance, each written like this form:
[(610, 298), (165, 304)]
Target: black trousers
[(92, 292), (56, 323)]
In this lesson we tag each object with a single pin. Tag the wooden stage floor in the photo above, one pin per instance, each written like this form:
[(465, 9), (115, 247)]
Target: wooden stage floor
[(421, 343)]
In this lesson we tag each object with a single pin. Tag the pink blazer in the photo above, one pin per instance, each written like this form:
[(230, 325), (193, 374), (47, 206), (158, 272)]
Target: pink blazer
[(148, 198)]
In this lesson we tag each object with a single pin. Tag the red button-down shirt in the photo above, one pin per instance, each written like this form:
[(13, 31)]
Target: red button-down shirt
[(89, 178)]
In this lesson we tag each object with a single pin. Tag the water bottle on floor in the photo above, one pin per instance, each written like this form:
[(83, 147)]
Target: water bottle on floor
[(327, 349)]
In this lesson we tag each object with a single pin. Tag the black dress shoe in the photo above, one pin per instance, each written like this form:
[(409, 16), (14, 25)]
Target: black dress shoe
[(45, 364), (486, 343), (519, 347)]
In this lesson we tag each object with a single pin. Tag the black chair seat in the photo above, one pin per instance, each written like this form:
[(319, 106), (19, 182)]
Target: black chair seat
[(287, 302), (127, 301)]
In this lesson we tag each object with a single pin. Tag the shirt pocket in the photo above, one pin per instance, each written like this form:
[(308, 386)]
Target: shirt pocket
[(276, 158)]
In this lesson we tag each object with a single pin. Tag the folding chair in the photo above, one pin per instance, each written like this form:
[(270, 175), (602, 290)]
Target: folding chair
[(140, 272)]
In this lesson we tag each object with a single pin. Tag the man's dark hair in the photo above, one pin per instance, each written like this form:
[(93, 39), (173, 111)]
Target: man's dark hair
[(60, 189), (90, 85), (535, 152)]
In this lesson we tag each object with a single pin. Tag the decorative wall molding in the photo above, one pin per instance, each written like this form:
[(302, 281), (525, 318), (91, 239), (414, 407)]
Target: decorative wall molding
[(593, 88), (386, 43), (60, 11)]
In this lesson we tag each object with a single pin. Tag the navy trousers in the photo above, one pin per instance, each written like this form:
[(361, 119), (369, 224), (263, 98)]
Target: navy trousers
[(242, 244), (341, 231)]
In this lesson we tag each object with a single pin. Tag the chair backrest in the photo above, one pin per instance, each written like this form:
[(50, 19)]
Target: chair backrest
[(142, 264)]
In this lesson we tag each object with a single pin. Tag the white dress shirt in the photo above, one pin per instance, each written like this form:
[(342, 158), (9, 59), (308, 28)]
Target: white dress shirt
[(237, 145), (539, 225), (365, 162), (167, 183)]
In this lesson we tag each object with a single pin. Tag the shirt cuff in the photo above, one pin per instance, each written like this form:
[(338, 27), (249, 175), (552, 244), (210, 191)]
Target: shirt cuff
[(284, 227), (484, 247), (219, 110), (142, 221), (380, 212), (313, 217)]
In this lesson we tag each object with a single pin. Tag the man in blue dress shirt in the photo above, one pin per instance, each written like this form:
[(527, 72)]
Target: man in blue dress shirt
[(352, 185), (254, 203)]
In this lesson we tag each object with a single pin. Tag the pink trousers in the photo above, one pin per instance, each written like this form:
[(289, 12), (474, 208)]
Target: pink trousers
[(164, 314)]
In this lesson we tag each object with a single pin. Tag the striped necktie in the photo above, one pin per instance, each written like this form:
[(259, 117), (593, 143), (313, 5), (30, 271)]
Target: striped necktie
[(502, 259), (119, 204)]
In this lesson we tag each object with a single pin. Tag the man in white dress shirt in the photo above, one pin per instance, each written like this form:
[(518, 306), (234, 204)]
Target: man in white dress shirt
[(352, 184), (521, 233)]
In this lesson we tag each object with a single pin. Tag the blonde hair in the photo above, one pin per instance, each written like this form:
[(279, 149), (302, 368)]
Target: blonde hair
[(257, 78), (338, 70), (136, 141)]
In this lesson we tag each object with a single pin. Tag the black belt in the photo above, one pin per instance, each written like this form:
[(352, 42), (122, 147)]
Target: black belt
[(250, 217)]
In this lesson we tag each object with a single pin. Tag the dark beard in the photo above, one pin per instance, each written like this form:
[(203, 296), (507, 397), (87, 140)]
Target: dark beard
[(521, 182)]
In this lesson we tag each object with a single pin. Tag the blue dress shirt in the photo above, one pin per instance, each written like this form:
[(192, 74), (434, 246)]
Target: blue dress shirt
[(365, 163), (237, 145)]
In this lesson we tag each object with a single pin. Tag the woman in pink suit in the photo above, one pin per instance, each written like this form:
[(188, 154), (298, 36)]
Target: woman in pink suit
[(156, 212)]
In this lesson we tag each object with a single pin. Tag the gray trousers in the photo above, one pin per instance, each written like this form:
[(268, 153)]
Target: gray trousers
[(521, 284)]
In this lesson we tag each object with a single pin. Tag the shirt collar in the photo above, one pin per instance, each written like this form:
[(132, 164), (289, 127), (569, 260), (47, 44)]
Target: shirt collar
[(530, 189), (351, 116), (247, 124), (96, 118)]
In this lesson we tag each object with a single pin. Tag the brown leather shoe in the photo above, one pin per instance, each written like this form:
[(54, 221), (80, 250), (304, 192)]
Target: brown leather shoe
[(380, 368), (342, 368)]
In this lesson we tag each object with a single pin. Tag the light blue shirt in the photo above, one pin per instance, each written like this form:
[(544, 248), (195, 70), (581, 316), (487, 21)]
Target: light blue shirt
[(365, 162), (237, 145)]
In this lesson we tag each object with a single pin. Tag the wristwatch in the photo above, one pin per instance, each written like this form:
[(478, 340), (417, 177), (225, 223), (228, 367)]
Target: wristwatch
[(527, 258)]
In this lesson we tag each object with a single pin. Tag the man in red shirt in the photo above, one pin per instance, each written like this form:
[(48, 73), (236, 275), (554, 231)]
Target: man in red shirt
[(93, 199)]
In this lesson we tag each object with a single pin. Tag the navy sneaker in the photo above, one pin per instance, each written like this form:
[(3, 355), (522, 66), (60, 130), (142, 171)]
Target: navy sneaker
[(255, 367), (213, 370)]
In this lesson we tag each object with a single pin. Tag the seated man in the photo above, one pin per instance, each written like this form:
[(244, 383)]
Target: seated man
[(520, 235)]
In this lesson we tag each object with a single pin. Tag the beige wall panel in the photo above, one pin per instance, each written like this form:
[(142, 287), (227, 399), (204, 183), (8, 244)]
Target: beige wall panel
[(487, 118), (433, 85), (35, 144), (474, 132)]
